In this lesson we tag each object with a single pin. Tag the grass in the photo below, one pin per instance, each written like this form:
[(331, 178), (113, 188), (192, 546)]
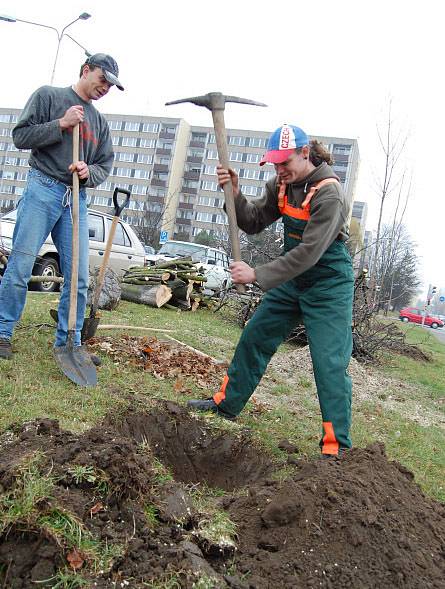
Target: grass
[(33, 386)]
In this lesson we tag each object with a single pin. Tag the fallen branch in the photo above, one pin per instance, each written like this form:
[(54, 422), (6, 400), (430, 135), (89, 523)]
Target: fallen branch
[(109, 326)]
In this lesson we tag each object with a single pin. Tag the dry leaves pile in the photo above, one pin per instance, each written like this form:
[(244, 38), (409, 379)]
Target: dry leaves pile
[(162, 359)]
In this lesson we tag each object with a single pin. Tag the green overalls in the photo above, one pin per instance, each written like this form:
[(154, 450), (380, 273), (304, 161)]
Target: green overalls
[(321, 298)]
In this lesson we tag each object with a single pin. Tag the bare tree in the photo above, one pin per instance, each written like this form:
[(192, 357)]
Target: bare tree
[(393, 143)]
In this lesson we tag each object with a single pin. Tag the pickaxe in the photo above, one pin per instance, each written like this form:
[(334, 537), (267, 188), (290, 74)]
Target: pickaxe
[(215, 102)]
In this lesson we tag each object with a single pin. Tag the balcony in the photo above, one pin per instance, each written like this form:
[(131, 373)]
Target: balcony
[(166, 135), (158, 182), (193, 159), (162, 151), (199, 144), (191, 175), (186, 205), (160, 168), (180, 221), (189, 190)]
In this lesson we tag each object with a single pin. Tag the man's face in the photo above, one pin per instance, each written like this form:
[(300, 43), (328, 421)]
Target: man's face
[(295, 168), (95, 84)]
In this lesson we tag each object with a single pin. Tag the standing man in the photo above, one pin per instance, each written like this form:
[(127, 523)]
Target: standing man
[(311, 282), (46, 126)]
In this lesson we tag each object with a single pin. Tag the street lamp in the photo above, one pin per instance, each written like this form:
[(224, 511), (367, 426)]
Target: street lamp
[(83, 16)]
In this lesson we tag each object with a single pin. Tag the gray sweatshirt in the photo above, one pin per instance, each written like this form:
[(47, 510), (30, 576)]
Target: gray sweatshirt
[(38, 129), (329, 220)]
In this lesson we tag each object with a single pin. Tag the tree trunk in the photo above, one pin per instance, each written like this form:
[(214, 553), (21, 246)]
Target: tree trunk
[(156, 296)]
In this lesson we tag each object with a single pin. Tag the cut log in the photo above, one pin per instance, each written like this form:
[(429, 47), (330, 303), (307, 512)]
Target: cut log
[(154, 296)]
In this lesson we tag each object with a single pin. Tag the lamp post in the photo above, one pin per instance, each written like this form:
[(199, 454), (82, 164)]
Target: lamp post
[(83, 16)]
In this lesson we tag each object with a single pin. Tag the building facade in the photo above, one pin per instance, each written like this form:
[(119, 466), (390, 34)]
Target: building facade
[(170, 168)]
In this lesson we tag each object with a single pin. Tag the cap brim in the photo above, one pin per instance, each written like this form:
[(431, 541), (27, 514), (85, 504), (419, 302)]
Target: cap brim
[(112, 79), (277, 156)]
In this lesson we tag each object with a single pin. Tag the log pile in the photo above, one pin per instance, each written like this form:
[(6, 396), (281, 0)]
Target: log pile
[(175, 284)]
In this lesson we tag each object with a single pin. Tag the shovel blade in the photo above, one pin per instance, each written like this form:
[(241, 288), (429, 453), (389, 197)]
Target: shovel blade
[(89, 328), (76, 364)]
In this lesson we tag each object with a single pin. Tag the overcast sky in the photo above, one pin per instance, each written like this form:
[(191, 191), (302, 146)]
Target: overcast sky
[(329, 67)]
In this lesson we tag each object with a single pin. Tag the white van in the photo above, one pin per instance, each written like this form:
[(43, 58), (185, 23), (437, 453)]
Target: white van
[(126, 250), (215, 262)]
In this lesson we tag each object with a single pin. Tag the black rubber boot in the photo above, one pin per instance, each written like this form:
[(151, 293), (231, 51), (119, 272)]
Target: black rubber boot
[(339, 456), (5, 349), (208, 405)]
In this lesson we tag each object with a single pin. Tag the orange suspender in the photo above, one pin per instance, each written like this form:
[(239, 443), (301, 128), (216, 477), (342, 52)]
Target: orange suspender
[(303, 212)]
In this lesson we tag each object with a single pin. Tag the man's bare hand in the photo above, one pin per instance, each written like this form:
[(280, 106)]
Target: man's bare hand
[(73, 116), (82, 170), (225, 176), (242, 273)]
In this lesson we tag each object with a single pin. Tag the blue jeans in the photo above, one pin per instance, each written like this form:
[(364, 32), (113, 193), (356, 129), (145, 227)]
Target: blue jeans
[(44, 208)]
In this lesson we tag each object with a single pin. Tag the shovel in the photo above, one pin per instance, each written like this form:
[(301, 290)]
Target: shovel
[(90, 323), (75, 361)]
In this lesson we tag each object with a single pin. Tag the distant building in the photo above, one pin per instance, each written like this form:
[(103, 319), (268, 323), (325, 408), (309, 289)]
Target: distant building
[(170, 168)]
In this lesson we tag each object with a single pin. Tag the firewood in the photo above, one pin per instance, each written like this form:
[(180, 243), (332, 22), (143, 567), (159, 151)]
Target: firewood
[(154, 296)]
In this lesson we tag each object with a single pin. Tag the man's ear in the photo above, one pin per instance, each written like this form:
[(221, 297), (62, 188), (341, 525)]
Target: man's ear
[(85, 69), (305, 152)]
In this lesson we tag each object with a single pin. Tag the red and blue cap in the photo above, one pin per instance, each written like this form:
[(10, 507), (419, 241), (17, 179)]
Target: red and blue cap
[(282, 143)]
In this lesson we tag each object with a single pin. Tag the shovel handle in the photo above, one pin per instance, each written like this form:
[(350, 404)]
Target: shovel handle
[(223, 154), (75, 238), (119, 207)]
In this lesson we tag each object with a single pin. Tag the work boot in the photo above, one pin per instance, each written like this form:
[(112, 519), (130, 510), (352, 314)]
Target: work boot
[(5, 349), (208, 405), (341, 454)]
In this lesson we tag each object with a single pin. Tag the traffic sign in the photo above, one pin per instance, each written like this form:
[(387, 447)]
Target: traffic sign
[(442, 299), (163, 236)]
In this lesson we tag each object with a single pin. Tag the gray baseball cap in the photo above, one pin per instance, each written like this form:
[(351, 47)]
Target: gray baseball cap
[(109, 67)]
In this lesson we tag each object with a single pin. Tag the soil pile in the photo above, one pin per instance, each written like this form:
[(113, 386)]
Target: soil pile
[(163, 499)]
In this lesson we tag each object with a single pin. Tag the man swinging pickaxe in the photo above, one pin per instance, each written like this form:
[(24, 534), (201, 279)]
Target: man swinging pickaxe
[(215, 102)]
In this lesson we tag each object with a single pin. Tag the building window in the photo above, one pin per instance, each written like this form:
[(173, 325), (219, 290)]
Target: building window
[(249, 190), (212, 154), (139, 189), (129, 141), (145, 158), (199, 137), (190, 183), (253, 158), (123, 157), (123, 172), (251, 173), (185, 214), (265, 175), (131, 126), (147, 143), (187, 198), (209, 185), (212, 138), (104, 186), (115, 125), (235, 156), (115, 140), (341, 149), (150, 127), (142, 173), (195, 153), (209, 201), (236, 140), (22, 175), (257, 142), (156, 191)]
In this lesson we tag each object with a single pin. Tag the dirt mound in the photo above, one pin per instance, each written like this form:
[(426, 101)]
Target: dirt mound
[(164, 499)]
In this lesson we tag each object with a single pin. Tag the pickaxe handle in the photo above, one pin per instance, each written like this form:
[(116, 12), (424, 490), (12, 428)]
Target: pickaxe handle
[(223, 154)]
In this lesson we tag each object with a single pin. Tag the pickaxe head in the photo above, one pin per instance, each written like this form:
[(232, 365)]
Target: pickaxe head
[(215, 101)]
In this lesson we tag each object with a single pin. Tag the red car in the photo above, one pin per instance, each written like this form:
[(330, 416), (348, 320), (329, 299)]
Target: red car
[(415, 315)]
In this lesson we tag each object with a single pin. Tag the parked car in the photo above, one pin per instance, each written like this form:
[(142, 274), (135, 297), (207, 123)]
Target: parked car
[(415, 316), (215, 262), (127, 250)]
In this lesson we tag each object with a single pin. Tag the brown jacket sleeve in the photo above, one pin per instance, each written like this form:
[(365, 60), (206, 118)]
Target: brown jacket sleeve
[(253, 217)]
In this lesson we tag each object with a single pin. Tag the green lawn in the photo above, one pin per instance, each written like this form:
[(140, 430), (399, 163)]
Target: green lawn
[(33, 386)]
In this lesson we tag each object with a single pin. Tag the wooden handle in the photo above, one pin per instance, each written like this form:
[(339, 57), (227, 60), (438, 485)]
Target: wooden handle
[(223, 155), (75, 240), (100, 278)]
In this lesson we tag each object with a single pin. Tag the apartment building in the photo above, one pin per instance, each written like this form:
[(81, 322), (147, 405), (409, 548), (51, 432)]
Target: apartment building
[(170, 168)]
